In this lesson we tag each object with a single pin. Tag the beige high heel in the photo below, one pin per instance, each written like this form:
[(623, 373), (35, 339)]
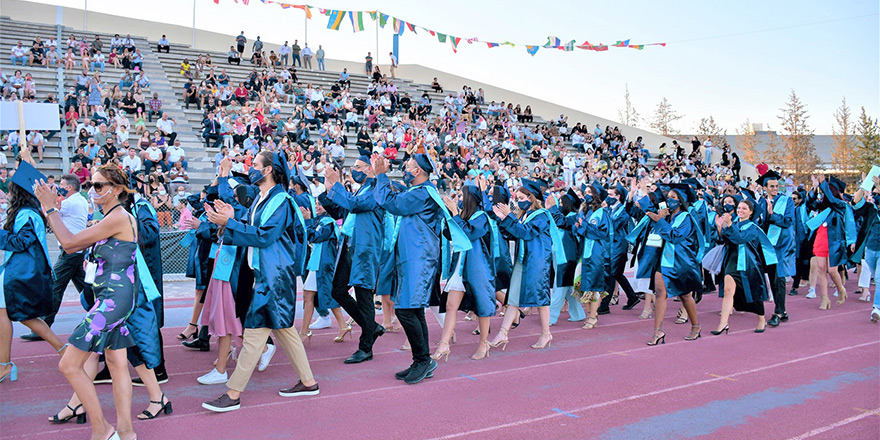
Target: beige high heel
[(441, 353), (341, 337), (546, 343), (825, 303), (500, 339), (481, 354), (591, 323)]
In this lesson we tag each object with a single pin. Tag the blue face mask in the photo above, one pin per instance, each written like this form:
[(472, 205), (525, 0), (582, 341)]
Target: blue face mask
[(408, 178), (672, 204), (610, 201), (62, 191), (358, 176), (588, 199), (729, 208), (524, 205), (255, 176)]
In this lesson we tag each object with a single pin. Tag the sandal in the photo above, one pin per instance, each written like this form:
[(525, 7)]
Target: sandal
[(165, 407), (183, 336), (681, 318), (80, 418), (591, 323), (646, 314)]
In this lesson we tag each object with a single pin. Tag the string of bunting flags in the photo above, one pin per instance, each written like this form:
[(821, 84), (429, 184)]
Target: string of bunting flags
[(358, 19)]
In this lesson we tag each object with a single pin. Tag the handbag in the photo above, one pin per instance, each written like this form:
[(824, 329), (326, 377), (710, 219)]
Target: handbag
[(713, 259), (654, 240)]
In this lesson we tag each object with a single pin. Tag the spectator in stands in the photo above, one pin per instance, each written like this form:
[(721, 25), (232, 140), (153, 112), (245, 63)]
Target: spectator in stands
[(142, 80), (368, 64), (69, 61), (29, 90), (211, 131), (166, 126), (78, 168), (128, 43), (98, 61), (163, 44), (161, 202), (132, 162), (19, 54), (190, 95), (137, 60), (175, 154), (177, 174), (284, 53), (436, 86), (37, 54), (393, 67), (319, 55), (258, 45), (153, 158), (294, 53), (344, 78), (155, 107), (307, 56), (14, 85)]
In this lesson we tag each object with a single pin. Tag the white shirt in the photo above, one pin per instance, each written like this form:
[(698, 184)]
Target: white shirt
[(18, 51), (166, 125), (154, 153), (175, 153), (74, 213), (307, 51), (284, 50), (393, 60), (133, 164)]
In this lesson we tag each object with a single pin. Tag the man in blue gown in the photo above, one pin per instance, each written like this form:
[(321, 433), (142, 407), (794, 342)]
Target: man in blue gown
[(779, 226)]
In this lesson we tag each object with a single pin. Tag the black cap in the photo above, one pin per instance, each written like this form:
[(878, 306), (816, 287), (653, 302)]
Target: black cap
[(769, 175)]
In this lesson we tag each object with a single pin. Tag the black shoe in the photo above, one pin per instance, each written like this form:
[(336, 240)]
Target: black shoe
[(103, 376), (31, 337), (792, 292), (784, 317), (359, 356), (420, 371), (630, 304), (223, 403), (378, 333), (604, 310), (161, 377), (300, 390), (198, 344), (401, 375), (774, 321)]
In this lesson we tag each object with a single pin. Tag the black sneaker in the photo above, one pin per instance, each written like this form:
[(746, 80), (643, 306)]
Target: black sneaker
[(299, 390), (222, 404), (31, 337), (103, 376), (401, 375), (420, 371), (161, 377), (792, 292)]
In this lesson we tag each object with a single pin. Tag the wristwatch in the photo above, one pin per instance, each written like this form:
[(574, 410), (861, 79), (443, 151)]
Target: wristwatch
[(50, 211)]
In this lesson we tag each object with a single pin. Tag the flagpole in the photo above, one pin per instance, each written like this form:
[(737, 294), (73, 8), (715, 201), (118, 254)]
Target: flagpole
[(194, 25), (86, 16), (377, 38), (307, 26)]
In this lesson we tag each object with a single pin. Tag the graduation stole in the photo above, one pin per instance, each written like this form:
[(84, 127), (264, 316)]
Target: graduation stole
[(190, 236), (496, 235), (315, 258), (558, 252), (348, 224), (21, 219), (143, 270), (817, 221), (640, 226), (588, 243), (697, 206), (668, 258), (271, 206), (766, 247), (774, 231), (391, 224)]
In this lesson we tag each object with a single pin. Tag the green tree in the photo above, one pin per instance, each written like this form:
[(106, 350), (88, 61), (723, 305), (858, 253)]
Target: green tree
[(868, 137), (844, 156), (664, 117), (799, 154)]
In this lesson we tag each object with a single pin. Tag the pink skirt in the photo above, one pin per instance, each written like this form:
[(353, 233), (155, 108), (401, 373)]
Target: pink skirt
[(219, 311)]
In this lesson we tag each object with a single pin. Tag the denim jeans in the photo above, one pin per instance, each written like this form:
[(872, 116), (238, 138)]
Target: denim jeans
[(320, 64), (873, 260)]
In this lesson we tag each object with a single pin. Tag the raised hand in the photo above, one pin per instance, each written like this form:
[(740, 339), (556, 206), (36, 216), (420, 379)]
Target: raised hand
[(307, 214), (46, 195), (501, 211), (331, 176)]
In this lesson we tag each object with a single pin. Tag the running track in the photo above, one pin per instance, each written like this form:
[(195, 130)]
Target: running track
[(816, 376)]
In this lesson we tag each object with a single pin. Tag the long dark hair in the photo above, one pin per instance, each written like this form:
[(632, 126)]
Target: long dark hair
[(278, 175), (18, 200), (469, 204)]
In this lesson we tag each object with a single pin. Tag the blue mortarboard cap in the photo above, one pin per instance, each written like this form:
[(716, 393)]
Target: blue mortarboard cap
[(598, 191), (424, 162), (299, 177), (364, 155), (575, 199), (279, 161), (693, 182), (685, 191), (769, 175), (475, 191), (26, 176), (502, 193), (621, 191), (834, 181), (533, 187)]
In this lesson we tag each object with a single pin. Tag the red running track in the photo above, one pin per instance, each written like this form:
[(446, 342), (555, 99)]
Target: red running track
[(816, 376)]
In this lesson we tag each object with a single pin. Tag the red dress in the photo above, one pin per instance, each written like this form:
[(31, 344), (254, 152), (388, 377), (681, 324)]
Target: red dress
[(820, 245)]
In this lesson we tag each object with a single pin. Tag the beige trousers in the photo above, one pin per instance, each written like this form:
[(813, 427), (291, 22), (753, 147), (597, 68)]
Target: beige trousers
[(252, 349)]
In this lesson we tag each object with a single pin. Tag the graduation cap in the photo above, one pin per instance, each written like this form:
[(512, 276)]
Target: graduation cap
[(621, 191), (26, 177), (298, 176), (241, 177), (651, 201), (833, 181), (424, 162), (769, 175), (685, 191), (364, 155), (534, 188), (475, 191), (575, 199), (599, 193), (213, 193), (693, 182), (279, 161)]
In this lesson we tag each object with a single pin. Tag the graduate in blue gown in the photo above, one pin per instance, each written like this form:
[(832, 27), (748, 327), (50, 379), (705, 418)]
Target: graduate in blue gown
[(417, 252), (779, 226), (565, 212), (646, 245), (274, 236), (26, 274), (595, 229), (801, 239), (835, 214), (747, 253), (679, 270), (471, 281), (363, 231), (621, 221), (534, 272), (202, 241), (387, 271)]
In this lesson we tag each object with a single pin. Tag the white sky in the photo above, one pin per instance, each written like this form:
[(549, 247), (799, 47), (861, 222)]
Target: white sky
[(732, 77)]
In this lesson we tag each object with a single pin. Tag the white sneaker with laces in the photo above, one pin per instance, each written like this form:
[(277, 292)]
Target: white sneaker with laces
[(811, 294), (321, 322), (213, 378), (875, 315), (266, 357)]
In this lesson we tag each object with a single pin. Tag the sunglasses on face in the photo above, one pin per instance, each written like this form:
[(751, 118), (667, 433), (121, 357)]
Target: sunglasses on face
[(99, 186)]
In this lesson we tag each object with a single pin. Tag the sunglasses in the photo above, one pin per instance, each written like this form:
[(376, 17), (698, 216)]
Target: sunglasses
[(99, 186)]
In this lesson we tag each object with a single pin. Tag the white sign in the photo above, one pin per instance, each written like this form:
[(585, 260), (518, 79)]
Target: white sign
[(37, 116)]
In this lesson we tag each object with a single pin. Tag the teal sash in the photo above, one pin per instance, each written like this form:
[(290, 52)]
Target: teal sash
[(774, 231), (145, 278), (391, 225), (805, 215), (223, 262), (668, 257), (348, 224), (588, 243), (190, 236), (710, 218), (315, 258), (695, 208), (817, 221), (271, 206), (496, 235), (849, 221), (766, 248), (460, 240), (640, 226)]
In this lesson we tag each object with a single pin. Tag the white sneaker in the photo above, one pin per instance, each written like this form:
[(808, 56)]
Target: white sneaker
[(321, 322), (213, 378), (266, 357), (875, 315), (811, 294), (835, 293)]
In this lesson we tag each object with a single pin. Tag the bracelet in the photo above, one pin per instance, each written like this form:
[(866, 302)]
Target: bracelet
[(50, 211)]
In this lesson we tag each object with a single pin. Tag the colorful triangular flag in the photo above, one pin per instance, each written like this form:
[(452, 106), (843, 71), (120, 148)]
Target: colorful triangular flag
[(532, 50), (335, 20), (552, 42)]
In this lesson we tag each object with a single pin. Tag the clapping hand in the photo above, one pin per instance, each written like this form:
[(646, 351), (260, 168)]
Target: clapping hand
[(307, 214), (501, 210), (220, 214), (380, 165), (46, 195), (193, 223), (331, 176), (451, 205)]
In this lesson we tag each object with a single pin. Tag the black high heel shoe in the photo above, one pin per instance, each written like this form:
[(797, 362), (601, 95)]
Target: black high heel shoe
[(183, 336), (726, 329), (80, 418), (165, 407)]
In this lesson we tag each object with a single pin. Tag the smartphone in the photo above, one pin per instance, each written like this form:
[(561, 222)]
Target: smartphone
[(662, 205)]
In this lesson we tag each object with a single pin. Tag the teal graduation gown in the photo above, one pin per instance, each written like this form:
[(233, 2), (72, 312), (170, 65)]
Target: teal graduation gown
[(782, 221), (684, 274), (27, 277), (535, 245), (365, 243), (596, 228), (478, 273)]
